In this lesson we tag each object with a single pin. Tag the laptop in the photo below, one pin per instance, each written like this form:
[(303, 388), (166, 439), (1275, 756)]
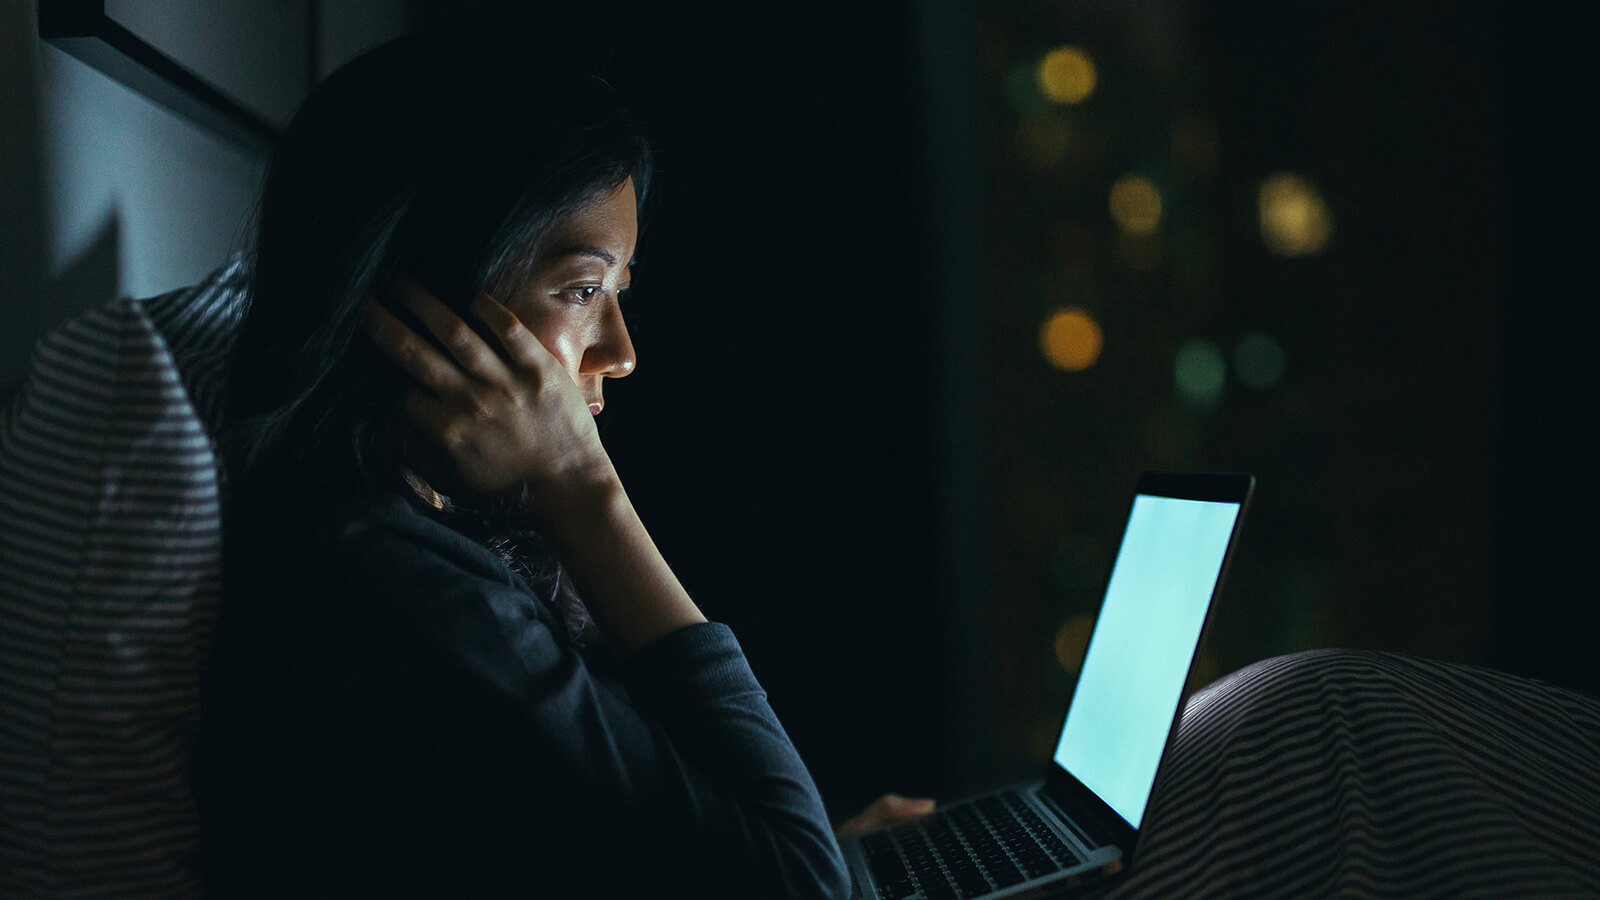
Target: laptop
[(1081, 822)]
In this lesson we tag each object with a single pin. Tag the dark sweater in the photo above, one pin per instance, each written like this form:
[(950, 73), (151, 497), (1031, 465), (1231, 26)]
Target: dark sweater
[(390, 712)]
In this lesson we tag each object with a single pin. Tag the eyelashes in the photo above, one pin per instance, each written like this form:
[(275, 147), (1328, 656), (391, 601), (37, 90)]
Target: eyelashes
[(585, 294)]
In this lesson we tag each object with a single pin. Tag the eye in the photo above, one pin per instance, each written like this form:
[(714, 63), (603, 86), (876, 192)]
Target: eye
[(581, 295)]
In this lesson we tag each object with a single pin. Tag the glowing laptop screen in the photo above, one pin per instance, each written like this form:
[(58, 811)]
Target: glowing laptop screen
[(1144, 641)]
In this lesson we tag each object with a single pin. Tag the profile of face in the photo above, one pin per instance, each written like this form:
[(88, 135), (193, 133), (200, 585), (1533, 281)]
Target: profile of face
[(571, 304)]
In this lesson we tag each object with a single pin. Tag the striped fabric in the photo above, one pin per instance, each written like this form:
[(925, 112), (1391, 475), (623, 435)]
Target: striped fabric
[(1358, 774), (110, 553)]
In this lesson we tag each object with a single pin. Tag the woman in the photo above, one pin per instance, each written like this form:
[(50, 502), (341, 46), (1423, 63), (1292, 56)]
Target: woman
[(407, 696)]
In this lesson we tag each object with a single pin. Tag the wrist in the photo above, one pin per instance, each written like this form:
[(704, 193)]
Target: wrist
[(566, 503), (616, 568)]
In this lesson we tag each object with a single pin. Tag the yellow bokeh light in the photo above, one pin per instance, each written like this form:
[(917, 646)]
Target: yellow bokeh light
[(1136, 205), (1071, 339), (1067, 75), (1072, 641), (1294, 219)]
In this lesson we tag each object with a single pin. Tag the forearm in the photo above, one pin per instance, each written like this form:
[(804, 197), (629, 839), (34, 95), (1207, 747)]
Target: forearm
[(751, 824), (625, 582)]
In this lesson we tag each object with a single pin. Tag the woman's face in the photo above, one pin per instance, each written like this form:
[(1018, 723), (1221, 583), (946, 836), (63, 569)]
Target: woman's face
[(570, 304)]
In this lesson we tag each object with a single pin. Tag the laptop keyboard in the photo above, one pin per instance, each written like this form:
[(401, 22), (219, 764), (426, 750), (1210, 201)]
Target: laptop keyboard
[(966, 850)]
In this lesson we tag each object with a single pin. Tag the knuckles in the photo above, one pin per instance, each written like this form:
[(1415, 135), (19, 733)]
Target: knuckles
[(403, 348), (477, 406), (455, 436), (459, 338), (484, 402), (519, 346)]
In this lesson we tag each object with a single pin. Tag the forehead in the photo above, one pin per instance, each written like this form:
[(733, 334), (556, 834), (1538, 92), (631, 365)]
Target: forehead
[(610, 223)]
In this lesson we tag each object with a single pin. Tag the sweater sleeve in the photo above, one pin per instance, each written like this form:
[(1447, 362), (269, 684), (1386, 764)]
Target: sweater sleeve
[(426, 669)]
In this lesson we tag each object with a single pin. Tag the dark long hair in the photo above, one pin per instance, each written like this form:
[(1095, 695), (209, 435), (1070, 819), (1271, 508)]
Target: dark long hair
[(441, 160)]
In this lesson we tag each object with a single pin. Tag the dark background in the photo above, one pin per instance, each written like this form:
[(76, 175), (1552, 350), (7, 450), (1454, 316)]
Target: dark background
[(845, 438)]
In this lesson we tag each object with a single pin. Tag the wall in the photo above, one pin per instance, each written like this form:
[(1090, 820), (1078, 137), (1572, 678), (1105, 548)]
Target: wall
[(103, 193)]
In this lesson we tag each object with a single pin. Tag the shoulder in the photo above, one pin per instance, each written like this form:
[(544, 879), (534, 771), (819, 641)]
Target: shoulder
[(385, 566), (412, 565), (394, 535), (339, 610)]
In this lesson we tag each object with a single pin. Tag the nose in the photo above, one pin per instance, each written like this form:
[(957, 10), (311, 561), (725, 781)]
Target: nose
[(611, 354)]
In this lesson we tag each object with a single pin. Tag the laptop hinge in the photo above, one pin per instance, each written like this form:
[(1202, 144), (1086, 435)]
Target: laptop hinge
[(1084, 824)]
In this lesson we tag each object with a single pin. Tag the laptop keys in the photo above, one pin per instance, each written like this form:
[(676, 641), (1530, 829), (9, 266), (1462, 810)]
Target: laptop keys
[(1041, 852), (964, 851), (888, 869)]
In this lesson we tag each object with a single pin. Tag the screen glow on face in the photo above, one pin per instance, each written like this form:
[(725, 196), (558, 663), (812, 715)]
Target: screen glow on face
[(1143, 644)]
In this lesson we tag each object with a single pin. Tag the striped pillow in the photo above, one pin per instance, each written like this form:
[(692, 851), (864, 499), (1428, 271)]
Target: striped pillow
[(110, 559)]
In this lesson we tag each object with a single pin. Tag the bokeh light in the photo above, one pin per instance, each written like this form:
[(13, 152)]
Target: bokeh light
[(1071, 339), (1072, 641), (1200, 371), (1067, 75), (1136, 205), (1294, 219), (1258, 360)]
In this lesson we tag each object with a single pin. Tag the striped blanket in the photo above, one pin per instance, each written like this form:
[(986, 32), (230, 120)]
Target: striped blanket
[(1362, 774)]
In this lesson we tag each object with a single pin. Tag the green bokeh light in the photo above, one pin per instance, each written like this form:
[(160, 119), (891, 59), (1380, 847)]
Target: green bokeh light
[(1200, 371), (1258, 360)]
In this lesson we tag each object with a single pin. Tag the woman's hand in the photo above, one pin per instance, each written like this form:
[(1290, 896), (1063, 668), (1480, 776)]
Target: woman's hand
[(506, 420), (511, 421), (886, 810)]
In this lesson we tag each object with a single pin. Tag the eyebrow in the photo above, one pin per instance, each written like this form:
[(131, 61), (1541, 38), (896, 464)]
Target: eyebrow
[(600, 253)]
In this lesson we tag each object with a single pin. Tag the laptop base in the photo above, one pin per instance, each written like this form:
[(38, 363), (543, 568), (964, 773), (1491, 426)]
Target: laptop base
[(1003, 844)]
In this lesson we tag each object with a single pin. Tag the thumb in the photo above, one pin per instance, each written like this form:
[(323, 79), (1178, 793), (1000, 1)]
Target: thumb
[(897, 805)]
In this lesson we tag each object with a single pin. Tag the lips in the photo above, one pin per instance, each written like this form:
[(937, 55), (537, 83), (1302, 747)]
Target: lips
[(594, 408)]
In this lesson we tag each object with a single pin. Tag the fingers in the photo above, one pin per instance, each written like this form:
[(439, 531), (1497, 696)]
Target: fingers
[(855, 826), (469, 350), (410, 352), (885, 810), (894, 806), (521, 347)]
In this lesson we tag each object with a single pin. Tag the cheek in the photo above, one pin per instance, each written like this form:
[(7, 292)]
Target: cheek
[(562, 333)]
